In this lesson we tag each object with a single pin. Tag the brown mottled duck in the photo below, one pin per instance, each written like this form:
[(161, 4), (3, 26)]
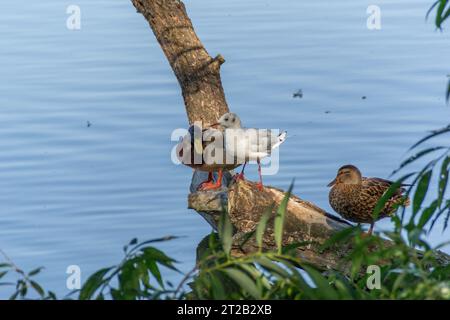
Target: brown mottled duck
[(354, 197), (191, 152)]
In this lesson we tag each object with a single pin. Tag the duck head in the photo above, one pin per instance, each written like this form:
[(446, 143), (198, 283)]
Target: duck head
[(347, 174)]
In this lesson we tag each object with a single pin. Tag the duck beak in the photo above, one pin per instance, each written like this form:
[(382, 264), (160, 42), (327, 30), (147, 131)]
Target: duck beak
[(332, 183), (214, 125)]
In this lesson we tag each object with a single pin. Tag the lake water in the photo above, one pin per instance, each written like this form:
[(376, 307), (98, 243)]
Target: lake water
[(74, 194)]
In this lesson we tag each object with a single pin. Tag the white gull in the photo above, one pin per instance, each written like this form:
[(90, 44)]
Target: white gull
[(248, 144)]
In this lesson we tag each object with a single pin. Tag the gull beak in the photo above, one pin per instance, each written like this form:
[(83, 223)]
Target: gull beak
[(332, 183)]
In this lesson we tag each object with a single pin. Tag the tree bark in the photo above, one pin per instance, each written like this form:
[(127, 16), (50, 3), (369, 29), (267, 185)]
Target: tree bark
[(197, 72)]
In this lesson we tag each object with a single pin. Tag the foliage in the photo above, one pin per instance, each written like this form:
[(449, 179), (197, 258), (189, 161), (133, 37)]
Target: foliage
[(137, 276), (405, 273), (442, 8), (424, 217), (24, 283)]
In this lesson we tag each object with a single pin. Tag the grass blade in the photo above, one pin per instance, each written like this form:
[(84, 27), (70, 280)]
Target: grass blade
[(262, 224), (279, 218)]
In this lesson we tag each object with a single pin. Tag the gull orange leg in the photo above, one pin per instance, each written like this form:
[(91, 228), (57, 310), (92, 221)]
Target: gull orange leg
[(240, 176), (213, 185), (260, 183), (207, 182)]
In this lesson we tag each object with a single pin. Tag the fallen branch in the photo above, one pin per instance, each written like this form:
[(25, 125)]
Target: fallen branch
[(304, 222)]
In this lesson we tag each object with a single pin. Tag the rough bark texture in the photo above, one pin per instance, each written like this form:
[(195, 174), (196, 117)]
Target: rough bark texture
[(304, 221), (197, 72)]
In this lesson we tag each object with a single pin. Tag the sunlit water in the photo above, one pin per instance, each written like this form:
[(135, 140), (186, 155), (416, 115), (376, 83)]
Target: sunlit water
[(73, 193)]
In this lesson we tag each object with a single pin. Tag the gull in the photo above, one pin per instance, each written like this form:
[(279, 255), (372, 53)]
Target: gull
[(247, 144)]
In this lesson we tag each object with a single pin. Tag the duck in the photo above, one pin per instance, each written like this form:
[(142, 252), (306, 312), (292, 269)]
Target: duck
[(354, 197), (190, 151)]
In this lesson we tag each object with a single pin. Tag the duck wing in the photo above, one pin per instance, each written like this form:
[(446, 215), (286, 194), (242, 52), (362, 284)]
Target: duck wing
[(374, 189), (379, 185)]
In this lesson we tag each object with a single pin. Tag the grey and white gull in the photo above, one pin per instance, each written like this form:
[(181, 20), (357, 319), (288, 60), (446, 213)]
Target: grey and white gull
[(248, 144)]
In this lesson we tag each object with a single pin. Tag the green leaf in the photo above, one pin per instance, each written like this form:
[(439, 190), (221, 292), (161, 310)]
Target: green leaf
[(439, 13), (14, 295), (129, 277), (421, 191), (144, 243), (431, 135), (443, 180), (427, 214), (225, 232), (262, 224), (35, 271), (446, 220), (261, 281), (279, 218), (217, 287), (438, 215), (323, 286), (151, 253), (447, 95), (388, 194), (244, 281), (37, 288), (153, 267), (93, 283), (51, 295), (431, 8), (417, 156), (442, 245), (272, 267)]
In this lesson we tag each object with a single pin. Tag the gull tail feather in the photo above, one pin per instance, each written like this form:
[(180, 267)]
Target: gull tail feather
[(281, 138)]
